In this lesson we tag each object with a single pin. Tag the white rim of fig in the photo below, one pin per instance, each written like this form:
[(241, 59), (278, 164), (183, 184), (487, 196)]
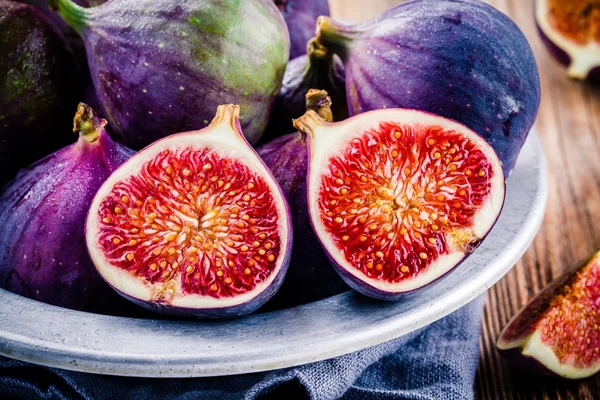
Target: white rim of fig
[(225, 138), (532, 346), (583, 58), (328, 139)]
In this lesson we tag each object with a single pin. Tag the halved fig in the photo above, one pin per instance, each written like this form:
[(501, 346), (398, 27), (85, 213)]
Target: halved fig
[(571, 30), (558, 332), (399, 198), (194, 224)]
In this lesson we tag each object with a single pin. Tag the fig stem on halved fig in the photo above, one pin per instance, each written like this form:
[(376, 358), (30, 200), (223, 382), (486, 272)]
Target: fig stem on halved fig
[(309, 122)]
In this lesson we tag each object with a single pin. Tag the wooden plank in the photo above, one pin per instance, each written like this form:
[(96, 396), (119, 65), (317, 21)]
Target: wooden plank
[(569, 126)]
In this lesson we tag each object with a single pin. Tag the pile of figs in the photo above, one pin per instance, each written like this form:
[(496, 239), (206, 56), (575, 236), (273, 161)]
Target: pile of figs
[(380, 161)]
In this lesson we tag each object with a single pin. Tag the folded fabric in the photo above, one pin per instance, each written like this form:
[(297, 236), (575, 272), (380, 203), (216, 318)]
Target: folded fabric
[(437, 362)]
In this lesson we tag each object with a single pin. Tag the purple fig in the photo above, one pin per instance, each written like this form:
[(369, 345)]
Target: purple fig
[(318, 69), (42, 213), (161, 67), (193, 225), (558, 332), (310, 276), (399, 198), (36, 87), (300, 17), (461, 59)]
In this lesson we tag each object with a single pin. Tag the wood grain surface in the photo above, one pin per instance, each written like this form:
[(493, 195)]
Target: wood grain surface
[(569, 126)]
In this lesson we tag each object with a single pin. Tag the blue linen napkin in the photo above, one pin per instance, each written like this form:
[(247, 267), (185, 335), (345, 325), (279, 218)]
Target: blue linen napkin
[(437, 362)]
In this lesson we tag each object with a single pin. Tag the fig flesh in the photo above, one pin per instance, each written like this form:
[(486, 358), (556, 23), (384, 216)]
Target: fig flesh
[(398, 198), (37, 94), (310, 276), (42, 213), (571, 30), (557, 332), (193, 225), (300, 17), (161, 67), (460, 59), (319, 68)]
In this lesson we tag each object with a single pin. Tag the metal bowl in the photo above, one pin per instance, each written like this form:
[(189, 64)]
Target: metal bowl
[(53, 336)]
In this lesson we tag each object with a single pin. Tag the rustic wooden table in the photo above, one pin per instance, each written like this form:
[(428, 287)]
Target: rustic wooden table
[(569, 126)]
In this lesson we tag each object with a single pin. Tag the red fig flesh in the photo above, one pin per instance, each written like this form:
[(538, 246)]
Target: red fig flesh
[(571, 30), (398, 197), (194, 224), (42, 214), (558, 331)]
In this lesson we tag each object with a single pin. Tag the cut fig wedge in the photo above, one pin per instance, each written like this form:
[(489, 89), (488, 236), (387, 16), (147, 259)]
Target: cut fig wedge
[(558, 332), (571, 30), (194, 224), (398, 198)]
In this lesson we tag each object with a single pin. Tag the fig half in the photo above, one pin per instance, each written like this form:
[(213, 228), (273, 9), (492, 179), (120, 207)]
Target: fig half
[(558, 332), (194, 224), (398, 198), (571, 30)]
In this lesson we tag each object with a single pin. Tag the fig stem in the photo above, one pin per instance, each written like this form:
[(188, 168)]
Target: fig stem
[(309, 122), (73, 14), (320, 102), (335, 36), (227, 113), (87, 123)]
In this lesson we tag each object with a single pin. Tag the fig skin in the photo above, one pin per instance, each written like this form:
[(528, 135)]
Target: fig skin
[(319, 68), (462, 59), (514, 342), (310, 275), (37, 92), (43, 254), (161, 67), (300, 17)]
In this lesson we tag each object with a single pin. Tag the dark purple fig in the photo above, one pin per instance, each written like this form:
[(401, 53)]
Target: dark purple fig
[(399, 198), (558, 332), (318, 69), (571, 30), (161, 66), (461, 59), (36, 88), (42, 214), (300, 17), (193, 225), (310, 276)]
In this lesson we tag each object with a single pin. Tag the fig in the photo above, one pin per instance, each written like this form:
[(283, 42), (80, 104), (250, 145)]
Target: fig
[(461, 59), (310, 276), (42, 213), (571, 31), (318, 69), (300, 17), (557, 332), (161, 67), (193, 225), (36, 89), (398, 198)]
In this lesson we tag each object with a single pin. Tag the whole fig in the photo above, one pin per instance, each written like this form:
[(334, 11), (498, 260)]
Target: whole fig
[(300, 17), (42, 214), (461, 59), (36, 87), (161, 67), (319, 68)]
